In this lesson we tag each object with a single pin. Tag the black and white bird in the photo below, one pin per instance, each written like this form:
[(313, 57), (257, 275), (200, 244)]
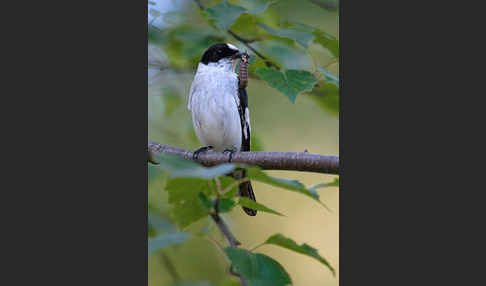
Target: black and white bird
[(219, 107)]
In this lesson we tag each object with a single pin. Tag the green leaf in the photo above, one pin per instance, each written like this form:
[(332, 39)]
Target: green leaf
[(206, 202), (178, 167), (256, 174), (225, 183), (160, 224), (326, 4), (291, 83), (301, 37), (256, 206), (285, 242), (329, 76), (261, 7), (225, 205), (327, 96), (184, 198), (245, 27), (257, 269), (157, 243), (225, 14), (334, 183), (184, 44), (327, 41)]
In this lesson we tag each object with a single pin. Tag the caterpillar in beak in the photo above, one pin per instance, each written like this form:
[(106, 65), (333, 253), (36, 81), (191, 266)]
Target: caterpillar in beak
[(243, 70)]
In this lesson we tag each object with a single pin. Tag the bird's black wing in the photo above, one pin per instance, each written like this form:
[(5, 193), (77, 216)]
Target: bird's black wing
[(245, 189), (244, 120)]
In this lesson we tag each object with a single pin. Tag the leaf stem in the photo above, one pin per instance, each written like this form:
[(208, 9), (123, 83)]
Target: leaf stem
[(170, 267), (261, 244)]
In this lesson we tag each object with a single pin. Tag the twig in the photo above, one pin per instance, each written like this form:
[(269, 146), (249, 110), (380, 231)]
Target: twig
[(290, 161), (233, 242), (170, 268), (261, 244)]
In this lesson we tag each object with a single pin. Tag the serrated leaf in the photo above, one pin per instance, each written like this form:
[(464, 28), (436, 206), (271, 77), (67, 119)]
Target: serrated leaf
[(178, 167), (285, 242), (256, 174), (291, 83), (301, 37), (224, 14), (327, 41), (184, 199), (257, 269), (157, 243), (327, 96), (329, 76), (256, 206)]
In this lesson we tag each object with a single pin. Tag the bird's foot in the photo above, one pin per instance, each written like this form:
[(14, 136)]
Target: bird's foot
[(230, 151), (204, 149)]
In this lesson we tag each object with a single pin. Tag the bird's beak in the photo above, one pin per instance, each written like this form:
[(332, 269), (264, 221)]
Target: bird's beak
[(239, 55)]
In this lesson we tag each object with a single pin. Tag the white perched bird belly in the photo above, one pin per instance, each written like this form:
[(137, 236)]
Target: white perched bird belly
[(214, 103)]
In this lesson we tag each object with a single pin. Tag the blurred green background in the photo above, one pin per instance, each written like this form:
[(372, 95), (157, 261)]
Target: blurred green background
[(178, 34)]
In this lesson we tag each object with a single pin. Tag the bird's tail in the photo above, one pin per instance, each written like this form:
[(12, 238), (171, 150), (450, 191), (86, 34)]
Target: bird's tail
[(245, 190)]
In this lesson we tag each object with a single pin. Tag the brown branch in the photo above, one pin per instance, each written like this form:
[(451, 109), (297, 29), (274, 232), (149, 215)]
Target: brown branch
[(233, 242), (170, 268), (290, 161), (244, 41)]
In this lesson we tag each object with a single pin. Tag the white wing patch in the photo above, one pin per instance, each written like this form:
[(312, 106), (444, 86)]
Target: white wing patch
[(247, 122)]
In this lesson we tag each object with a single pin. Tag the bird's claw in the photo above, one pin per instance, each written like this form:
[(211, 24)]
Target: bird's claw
[(231, 152), (196, 153)]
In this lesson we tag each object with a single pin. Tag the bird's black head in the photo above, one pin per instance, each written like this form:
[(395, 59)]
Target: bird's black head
[(219, 51)]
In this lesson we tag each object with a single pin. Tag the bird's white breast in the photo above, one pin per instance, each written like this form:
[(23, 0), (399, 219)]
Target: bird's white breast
[(214, 102)]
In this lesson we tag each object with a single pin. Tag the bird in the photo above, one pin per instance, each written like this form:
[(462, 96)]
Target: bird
[(219, 108)]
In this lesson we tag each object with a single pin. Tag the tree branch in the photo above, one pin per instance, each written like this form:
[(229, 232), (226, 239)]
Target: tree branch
[(290, 161), (233, 242), (170, 268)]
